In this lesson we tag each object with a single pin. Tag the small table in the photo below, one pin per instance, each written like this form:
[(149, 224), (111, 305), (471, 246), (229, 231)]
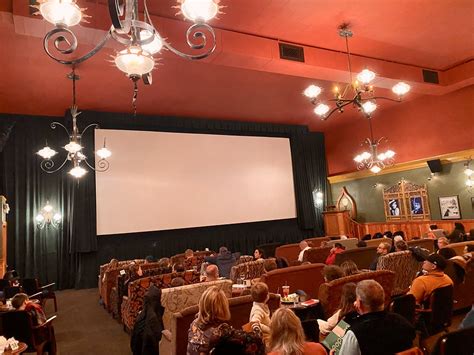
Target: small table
[(21, 347), (238, 289), (314, 311)]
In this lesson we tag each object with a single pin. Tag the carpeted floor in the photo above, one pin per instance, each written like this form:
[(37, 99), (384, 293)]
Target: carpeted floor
[(84, 327)]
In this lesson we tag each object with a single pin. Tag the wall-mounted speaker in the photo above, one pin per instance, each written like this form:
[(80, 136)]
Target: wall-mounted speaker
[(435, 165)]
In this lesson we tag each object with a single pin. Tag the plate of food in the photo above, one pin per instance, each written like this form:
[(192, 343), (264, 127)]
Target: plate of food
[(289, 299)]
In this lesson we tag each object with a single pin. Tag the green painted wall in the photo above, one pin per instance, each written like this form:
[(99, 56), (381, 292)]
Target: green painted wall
[(369, 198)]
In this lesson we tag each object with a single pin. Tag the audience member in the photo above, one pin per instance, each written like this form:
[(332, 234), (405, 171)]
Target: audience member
[(400, 233), (188, 253), (470, 236), (378, 235), (388, 234), (177, 281), (238, 342), (346, 311), (447, 253), (146, 333), (21, 302), (287, 336), (336, 249), (179, 267), (332, 272), (260, 313), (349, 268), (442, 242), (401, 245), (149, 259), (468, 252), (435, 232), (382, 249), (456, 236), (134, 272), (164, 265), (366, 237), (303, 247), (376, 331), (113, 263), (433, 277), (210, 321), (224, 261), (361, 244), (459, 226), (258, 254), (397, 238), (211, 273)]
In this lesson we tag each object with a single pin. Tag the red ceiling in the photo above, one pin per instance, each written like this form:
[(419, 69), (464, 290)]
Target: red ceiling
[(245, 79)]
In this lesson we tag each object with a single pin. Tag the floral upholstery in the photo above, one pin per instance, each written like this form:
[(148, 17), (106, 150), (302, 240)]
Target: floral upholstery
[(405, 267), (330, 292), (133, 303), (244, 259), (316, 255), (196, 260), (250, 270)]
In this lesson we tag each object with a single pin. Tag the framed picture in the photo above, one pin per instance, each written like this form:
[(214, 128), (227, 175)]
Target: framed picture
[(416, 205), (394, 207), (449, 207)]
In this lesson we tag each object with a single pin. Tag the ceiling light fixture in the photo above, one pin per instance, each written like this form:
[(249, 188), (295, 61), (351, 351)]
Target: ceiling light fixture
[(372, 159), (74, 148), (362, 96), (48, 217), (140, 37)]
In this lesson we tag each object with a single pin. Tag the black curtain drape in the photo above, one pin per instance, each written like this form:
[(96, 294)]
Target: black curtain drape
[(71, 254)]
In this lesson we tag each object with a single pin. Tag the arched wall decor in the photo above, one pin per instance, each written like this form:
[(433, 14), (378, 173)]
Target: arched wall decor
[(346, 202), (406, 201)]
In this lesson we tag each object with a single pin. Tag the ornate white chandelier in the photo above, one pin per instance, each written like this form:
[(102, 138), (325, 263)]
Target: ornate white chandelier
[(359, 92), (372, 159)]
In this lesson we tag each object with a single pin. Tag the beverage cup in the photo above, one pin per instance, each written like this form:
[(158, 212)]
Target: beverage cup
[(285, 291)]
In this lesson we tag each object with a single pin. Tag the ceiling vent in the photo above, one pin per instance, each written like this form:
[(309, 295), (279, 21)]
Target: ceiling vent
[(430, 76), (291, 52)]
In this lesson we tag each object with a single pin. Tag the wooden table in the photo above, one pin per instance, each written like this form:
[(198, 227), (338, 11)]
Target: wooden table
[(21, 347)]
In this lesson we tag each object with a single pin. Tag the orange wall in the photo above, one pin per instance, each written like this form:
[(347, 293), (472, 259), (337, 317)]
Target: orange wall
[(422, 128)]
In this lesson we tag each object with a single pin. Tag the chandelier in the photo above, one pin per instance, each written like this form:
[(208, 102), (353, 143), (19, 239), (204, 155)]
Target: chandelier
[(139, 37), (74, 148), (359, 92), (48, 217), (469, 174), (372, 159)]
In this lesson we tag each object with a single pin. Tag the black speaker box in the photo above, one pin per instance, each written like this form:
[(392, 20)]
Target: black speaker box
[(435, 165)]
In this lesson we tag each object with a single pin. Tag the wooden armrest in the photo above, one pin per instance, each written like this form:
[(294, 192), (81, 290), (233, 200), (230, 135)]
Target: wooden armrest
[(48, 322), (48, 285), (166, 334)]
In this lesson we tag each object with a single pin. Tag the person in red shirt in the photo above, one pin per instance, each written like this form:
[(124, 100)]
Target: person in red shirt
[(337, 249)]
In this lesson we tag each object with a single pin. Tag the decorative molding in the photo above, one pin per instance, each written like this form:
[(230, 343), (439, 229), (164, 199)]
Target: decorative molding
[(415, 164), (350, 206)]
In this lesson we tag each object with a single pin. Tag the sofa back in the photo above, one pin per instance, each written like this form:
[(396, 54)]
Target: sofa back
[(196, 260), (330, 293), (361, 256), (250, 270), (316, 241), (376, 242), (269, 248), (422, 243), (303, 277), (288, 251), (459, 247), (464, 291), (350, 243), (405, 267), (316, 255)]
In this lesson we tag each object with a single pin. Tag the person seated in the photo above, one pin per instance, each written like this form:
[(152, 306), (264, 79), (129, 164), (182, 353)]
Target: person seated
[(287, 336), (146, 333), (21, 302), (134, 273), (149, 259), (258, 254), (188, 253), (346, 311), (303, 247), (401, 245), (399, 233), (432, 277), (376, 331), (210, 321), (442, 242), (337, 249), (388, 234), (113, 263), (366, 237), (211, 273), (470, 236), (179, 267), (396, 238), (332, 272), (456, 236), (447, 253), (260, 313), (468, 252), (224, 261), (238, 342), (349, 268), (435, 232), (164, 265), (177, 281), (382, 249)]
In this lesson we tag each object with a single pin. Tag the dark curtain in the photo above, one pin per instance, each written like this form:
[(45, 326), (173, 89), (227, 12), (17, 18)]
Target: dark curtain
[(71, 254)]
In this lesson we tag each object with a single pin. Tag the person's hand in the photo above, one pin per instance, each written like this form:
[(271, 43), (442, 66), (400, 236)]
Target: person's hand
[(332, 352)]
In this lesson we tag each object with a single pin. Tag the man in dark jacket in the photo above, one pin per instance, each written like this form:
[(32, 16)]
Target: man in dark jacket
[(376, 331), (224, 261)]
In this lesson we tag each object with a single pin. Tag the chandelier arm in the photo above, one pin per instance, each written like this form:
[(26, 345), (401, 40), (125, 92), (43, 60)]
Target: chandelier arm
[(324, 118), (193, 33), (72, 45), (116, 9), (54, 124), (382, 98), (47, 165), (95, 125), (101, 165)]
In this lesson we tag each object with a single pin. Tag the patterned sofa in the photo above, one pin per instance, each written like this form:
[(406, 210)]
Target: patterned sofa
[(177, 299), (330, 293), (405, 267), (361, 256), (132, 303), (316, 255), (251, 269), (196, 260), (350, 243), (303, 277)]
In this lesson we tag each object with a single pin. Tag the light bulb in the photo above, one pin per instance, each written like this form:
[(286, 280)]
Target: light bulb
[(366, 76), (104, 153), (312, 91), (73, 147), (366, 155), (321, 109), (134, 61), (401, 88), (77, 171), (155, 45), (369, 107), (57, 217), (39, 218), (61, 12), (48, 208), (469, 183), (46, 153), (375, 169), (199, 10), (389, 154), (468, 171), (381, 156), (358, 158), (319, 194)]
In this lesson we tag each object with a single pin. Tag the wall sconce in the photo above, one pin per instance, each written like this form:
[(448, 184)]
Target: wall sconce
[(48, 217), (469, 174), (318, 198)]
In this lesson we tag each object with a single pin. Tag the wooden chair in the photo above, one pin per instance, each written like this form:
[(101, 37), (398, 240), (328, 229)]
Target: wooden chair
[(459, 342), (43, 293), (19, 324), (405, 306)]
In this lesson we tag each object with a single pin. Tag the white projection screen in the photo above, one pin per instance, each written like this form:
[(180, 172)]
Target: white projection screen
[(160, 181)]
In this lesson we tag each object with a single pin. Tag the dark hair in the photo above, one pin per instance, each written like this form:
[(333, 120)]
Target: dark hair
[(177, 281), (433, 227), (259, 292), (350, 268), (19, 299), (471, 235), (178, 267), (388, 234), (470, 248), (400, 233), (401, 245), (149, 258), (447, 252), (339, 245), (361, 244), (332, 272), (456, 236), (262, 254), (459, 226), (348, 297), (237, 342), (377, 235), (366, 237)]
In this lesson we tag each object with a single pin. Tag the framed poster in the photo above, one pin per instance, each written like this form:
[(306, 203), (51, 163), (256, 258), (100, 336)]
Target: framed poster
[(416, 205), (394, 207), (449, 207)]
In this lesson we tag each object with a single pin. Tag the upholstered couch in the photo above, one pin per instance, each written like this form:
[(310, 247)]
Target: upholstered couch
[(251, 269), (316, 242), (316, 255), (422, 243), (132, 303), (361, 256), (405, 267), (288, 251), (330, 293), (350, 243), (459, 247), (303, 277), (196, 260), (376, 242), (463, 291)]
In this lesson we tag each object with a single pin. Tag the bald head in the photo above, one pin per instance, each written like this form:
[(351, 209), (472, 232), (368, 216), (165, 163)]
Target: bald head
[(212, 272)]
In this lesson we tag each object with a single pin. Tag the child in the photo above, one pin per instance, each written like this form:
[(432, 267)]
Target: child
[(260, 312), (21, 302)]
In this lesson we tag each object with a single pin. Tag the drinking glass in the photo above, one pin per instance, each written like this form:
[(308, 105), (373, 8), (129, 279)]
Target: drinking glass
[(285, 290)]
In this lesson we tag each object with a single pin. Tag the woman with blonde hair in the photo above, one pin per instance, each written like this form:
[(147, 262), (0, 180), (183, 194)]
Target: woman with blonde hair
[(287, 336), (210, 321)]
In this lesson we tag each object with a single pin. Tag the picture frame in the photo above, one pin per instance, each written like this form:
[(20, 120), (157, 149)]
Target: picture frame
[(416, 205), (394, 207), (449, 207)]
